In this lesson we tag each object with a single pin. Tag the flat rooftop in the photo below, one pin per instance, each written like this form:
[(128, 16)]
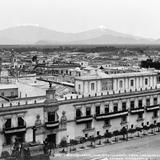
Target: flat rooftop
[(102, 75), (8, 86)]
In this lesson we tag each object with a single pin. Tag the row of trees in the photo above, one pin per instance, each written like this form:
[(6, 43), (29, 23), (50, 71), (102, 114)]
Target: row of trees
[(124, 132)]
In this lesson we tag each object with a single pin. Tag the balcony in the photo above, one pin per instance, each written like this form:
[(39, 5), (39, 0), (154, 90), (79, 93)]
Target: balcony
[(12, 130), (152, 108), (140, 119), (52, 124), (155, 117), (123, 123), (84, 119), (88, 129), (111, 115), (107, 126), (137, 110)]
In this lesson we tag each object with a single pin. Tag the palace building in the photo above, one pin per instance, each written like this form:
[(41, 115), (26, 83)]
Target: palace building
[(100, 103)]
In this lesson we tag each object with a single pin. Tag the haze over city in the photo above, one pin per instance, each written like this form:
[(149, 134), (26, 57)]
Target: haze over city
[(136, 17)]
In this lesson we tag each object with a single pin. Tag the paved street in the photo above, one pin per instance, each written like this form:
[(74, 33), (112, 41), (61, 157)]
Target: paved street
[(146, 148)]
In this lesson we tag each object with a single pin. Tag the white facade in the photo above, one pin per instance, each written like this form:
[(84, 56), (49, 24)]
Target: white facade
[(107, 103), (98, 83)]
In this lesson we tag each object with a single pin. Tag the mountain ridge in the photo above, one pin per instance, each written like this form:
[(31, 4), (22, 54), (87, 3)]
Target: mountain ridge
[(39, 35)]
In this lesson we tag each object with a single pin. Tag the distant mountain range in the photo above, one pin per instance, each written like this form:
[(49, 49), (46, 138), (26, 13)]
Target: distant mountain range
[(42, 36)]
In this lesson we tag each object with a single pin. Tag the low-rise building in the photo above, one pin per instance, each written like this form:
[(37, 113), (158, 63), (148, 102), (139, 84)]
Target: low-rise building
[(102, 103)]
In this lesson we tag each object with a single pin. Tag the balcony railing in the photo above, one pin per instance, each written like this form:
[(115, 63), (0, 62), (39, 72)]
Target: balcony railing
[(8, 130), (84, 119), (123, 123), (152, 108), (155, 117), (88, 129), (52, 124), (140, 119), (111, 115), (107, 126), (137, 110)]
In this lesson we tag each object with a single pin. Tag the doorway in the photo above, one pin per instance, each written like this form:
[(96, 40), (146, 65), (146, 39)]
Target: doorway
[(51, 138)]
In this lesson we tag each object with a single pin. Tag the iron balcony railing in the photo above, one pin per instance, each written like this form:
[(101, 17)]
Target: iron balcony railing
[(111, 115)]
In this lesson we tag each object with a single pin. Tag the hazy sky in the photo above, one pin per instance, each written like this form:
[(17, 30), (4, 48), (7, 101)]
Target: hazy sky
[(137, 17)]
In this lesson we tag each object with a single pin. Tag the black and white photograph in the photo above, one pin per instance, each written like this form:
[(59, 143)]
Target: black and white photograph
[(79, 79)]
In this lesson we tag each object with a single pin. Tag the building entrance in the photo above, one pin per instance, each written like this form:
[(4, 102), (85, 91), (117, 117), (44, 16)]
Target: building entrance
[(51, 138)]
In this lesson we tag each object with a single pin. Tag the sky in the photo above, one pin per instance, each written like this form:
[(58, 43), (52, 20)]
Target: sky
[(136, 17)]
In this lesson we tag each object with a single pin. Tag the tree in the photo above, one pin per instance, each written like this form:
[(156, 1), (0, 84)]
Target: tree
[(158, 125), (92, 140), (152, 126), (82, 141), (99, 138), (131, 130), (116, 133), (145, 128), (107, 136), (34, 58), (63, 144), (138, 129), (124, 132), (73, 142)]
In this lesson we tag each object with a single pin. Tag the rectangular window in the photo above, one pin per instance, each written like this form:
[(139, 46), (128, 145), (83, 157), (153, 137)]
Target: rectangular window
[(92, 86), (132, 104), (132, 83), (88, 111), (97, 110), (140, 103), (20, 121), (123, 106), (115, 107), (107, 122), (155, 101), (107, 85), (51, 116), (2, 94), (12, 94), (147, 102), (158, 79), (106, 109), (88, 125), (155, 114), (121, 84), (140, 115), (146, 81), (124, 119), (78, 113), (8, 123), (86, 135), (79, 87)]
